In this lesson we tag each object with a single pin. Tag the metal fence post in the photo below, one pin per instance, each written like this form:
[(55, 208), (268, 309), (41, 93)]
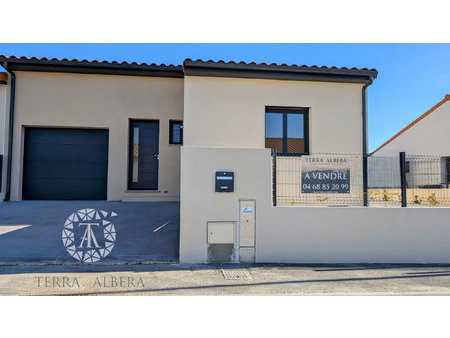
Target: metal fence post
[(403, 177), (365, 182), (274, 177), (447, 170)]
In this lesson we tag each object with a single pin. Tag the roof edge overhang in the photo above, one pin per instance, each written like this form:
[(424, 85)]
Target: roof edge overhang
[(194, 68), (87, 67), (276, 72)]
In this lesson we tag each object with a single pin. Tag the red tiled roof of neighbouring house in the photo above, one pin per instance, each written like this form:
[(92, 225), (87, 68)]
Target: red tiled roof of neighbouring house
[(420, 118)]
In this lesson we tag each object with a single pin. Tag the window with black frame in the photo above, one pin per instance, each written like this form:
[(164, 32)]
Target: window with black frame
[(176, 132), (287, 130)]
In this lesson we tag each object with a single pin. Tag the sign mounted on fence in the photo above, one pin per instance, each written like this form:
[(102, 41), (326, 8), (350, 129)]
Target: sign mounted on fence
[(325, 174)]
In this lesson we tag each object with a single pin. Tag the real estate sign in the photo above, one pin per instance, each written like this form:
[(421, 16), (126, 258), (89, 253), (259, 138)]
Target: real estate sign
[(325, 174)]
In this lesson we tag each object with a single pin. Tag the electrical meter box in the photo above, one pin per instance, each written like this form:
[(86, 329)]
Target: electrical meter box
[(221, 232), (224, 181)]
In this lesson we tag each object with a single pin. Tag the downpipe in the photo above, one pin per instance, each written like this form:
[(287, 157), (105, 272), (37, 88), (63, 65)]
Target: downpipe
[(10, 131), (364, 142)]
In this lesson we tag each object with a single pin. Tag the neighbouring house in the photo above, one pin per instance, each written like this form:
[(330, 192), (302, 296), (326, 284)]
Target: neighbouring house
[(426, 144), (426, 135), (202, 134)]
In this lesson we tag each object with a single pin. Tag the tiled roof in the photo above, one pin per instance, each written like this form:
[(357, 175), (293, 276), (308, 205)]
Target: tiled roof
[(190, 67), (93, 62), (420, 118), (86, 66), (275, 66)]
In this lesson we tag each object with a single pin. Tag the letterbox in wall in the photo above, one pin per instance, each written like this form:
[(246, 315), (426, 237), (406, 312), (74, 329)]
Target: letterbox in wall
[(224, 181)]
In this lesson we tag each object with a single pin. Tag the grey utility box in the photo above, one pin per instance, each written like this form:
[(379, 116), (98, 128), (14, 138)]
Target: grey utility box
[(224, 181)]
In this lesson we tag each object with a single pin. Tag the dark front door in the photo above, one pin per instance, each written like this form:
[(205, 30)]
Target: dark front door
[(65, 164), (144, 155)]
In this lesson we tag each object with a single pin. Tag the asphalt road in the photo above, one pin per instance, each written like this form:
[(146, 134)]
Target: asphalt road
[(179, 279)]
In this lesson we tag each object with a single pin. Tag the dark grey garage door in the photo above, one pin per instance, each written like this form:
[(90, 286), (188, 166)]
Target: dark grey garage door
[(65, 164)]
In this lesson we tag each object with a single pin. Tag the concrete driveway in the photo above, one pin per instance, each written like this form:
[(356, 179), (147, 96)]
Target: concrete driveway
[(230, 279), (31, 231)]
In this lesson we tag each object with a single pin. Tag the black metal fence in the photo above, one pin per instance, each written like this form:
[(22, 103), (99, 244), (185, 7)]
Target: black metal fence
[(338, 180)]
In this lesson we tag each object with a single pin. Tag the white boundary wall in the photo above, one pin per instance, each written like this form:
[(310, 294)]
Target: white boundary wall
[(301, 234), (354, 235)]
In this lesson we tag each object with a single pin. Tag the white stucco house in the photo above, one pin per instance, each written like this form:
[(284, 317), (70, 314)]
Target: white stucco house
[(129, 121), (426, 143), (426, 135)]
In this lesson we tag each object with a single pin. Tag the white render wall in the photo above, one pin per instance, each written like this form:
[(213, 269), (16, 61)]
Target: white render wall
[(230, 112), (301, 234), (107, 102), (354, 235)]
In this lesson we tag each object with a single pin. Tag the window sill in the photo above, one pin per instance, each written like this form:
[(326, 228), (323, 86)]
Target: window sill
[(142, 191), (292, 154)]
